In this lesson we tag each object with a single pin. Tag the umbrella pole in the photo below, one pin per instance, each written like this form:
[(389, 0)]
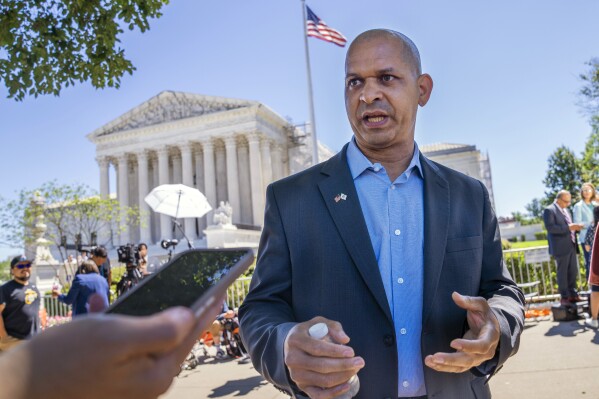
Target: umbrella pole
[(176, 223), (178, 202)]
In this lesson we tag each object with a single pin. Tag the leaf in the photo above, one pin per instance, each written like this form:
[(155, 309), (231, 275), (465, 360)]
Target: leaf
[(67, 41)]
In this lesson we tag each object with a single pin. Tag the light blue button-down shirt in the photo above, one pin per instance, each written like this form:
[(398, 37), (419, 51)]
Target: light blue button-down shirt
[(394, 214)]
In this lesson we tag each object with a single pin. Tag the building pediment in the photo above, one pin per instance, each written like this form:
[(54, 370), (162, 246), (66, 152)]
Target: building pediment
[(169, 106)]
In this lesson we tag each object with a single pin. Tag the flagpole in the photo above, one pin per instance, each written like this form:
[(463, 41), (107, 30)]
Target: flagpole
[(310, 95)]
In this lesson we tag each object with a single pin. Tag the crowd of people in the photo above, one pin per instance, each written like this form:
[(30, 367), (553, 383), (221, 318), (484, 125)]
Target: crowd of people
[(567, 234)]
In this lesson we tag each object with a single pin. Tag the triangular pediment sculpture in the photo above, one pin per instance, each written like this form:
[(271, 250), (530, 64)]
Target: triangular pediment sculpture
[(169, 106)]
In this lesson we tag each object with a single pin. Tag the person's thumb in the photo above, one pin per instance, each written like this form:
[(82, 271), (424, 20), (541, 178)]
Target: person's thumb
[(158, 333), (468, 303)]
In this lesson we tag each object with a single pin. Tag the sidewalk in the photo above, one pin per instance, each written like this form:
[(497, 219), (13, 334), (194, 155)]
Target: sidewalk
[(555, 361)]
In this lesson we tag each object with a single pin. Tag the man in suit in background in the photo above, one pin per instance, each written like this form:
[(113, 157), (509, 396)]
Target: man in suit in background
[(378, 243), (561, 233)]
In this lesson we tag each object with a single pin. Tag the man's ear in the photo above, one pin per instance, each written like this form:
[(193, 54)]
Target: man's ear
[(425, 84)]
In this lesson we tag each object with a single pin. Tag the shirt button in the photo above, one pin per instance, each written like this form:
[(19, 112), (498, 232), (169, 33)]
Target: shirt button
[(405, 384), (397, 232), (393, 187), (400, 280), (376, 167), (403, 331)]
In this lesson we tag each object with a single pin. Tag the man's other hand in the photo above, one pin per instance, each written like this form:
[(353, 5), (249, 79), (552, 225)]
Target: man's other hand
[(478, 344), (320, 368)]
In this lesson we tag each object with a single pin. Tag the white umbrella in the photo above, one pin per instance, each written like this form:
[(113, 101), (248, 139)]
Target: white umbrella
[(178, 201)]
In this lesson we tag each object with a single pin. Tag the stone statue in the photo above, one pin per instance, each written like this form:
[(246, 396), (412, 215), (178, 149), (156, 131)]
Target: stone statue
[(223, 215)]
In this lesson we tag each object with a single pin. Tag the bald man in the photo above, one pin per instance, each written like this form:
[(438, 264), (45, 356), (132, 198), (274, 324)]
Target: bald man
[(400, 257), (561, 234)]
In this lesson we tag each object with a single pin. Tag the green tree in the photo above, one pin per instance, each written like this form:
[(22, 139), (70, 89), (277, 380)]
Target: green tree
[(589, 163), (48, 44), (5, 270), (589, 93), (563, 173), (69, 211), (535, 208)]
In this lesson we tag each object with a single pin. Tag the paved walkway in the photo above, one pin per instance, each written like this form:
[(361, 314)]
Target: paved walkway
[(555, 361)]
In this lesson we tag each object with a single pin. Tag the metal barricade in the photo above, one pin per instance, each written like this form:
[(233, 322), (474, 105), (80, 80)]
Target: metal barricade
[(54, 307), (535, 272), (237, 291)]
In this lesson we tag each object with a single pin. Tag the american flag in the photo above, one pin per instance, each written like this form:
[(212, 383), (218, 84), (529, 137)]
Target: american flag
[(318, 28)]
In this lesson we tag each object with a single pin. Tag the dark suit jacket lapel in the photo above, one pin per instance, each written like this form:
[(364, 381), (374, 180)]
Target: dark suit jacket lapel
[(436, 222), (347, 216)]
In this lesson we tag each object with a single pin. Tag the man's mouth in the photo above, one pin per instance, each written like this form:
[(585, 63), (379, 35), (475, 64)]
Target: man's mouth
[(374, 120)]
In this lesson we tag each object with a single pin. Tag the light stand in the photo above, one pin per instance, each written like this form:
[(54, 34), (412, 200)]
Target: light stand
[(176, 223)]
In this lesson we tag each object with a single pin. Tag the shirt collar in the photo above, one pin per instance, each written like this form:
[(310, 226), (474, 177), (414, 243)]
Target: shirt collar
[(358, 163)]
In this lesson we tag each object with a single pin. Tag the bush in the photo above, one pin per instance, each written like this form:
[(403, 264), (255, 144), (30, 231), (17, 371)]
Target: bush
[(541, 235), (522, 237), (505, 244)]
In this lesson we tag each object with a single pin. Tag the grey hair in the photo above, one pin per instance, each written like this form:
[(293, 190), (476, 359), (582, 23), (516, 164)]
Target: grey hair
[(561, 193)]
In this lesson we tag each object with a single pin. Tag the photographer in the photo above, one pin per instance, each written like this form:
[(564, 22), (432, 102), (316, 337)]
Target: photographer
[(143, 259), (100, 258), (129, 255)]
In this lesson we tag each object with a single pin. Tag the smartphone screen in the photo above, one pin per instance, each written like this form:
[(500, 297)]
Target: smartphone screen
[(183, 281)]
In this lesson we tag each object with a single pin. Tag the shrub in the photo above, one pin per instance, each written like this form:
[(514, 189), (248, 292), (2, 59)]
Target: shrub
[(542, 235), (522, 237)]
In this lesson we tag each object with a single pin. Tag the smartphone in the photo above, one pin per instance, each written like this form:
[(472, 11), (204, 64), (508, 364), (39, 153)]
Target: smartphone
[(194, 279)]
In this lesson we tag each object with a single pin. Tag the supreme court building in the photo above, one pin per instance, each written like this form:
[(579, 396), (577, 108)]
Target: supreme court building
[(229, 149)]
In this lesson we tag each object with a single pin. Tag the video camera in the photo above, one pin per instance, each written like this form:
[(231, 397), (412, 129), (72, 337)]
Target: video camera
[(166, 244), (129, 255)]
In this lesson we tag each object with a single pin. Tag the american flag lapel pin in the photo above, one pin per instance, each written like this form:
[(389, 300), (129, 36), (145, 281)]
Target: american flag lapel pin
[(340, 197)]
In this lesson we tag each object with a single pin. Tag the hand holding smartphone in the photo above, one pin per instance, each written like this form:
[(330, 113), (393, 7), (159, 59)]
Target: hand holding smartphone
[(194, 279)]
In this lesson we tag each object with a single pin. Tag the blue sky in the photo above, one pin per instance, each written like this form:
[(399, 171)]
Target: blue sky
[(505, 79)]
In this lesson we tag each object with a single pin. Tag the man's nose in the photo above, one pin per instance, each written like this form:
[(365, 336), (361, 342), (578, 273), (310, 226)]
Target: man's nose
[(370, 92)]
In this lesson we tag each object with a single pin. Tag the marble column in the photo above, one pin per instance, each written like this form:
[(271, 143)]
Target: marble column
[(198, 157), (155, 216), (266, 159), (243, 163), (123, 170), (256, 179), (277, 162), (145, 234), (187, 177), (209, 177), (104, 164), (165, 221), (232, 177), (220, 165), (177, 172)]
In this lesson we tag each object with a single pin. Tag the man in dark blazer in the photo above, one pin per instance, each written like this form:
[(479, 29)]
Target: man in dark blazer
[(381, 255), (562, 245)]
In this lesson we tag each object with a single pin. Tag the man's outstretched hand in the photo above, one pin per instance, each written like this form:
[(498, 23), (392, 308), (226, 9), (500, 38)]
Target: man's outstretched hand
[(478, 344)]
